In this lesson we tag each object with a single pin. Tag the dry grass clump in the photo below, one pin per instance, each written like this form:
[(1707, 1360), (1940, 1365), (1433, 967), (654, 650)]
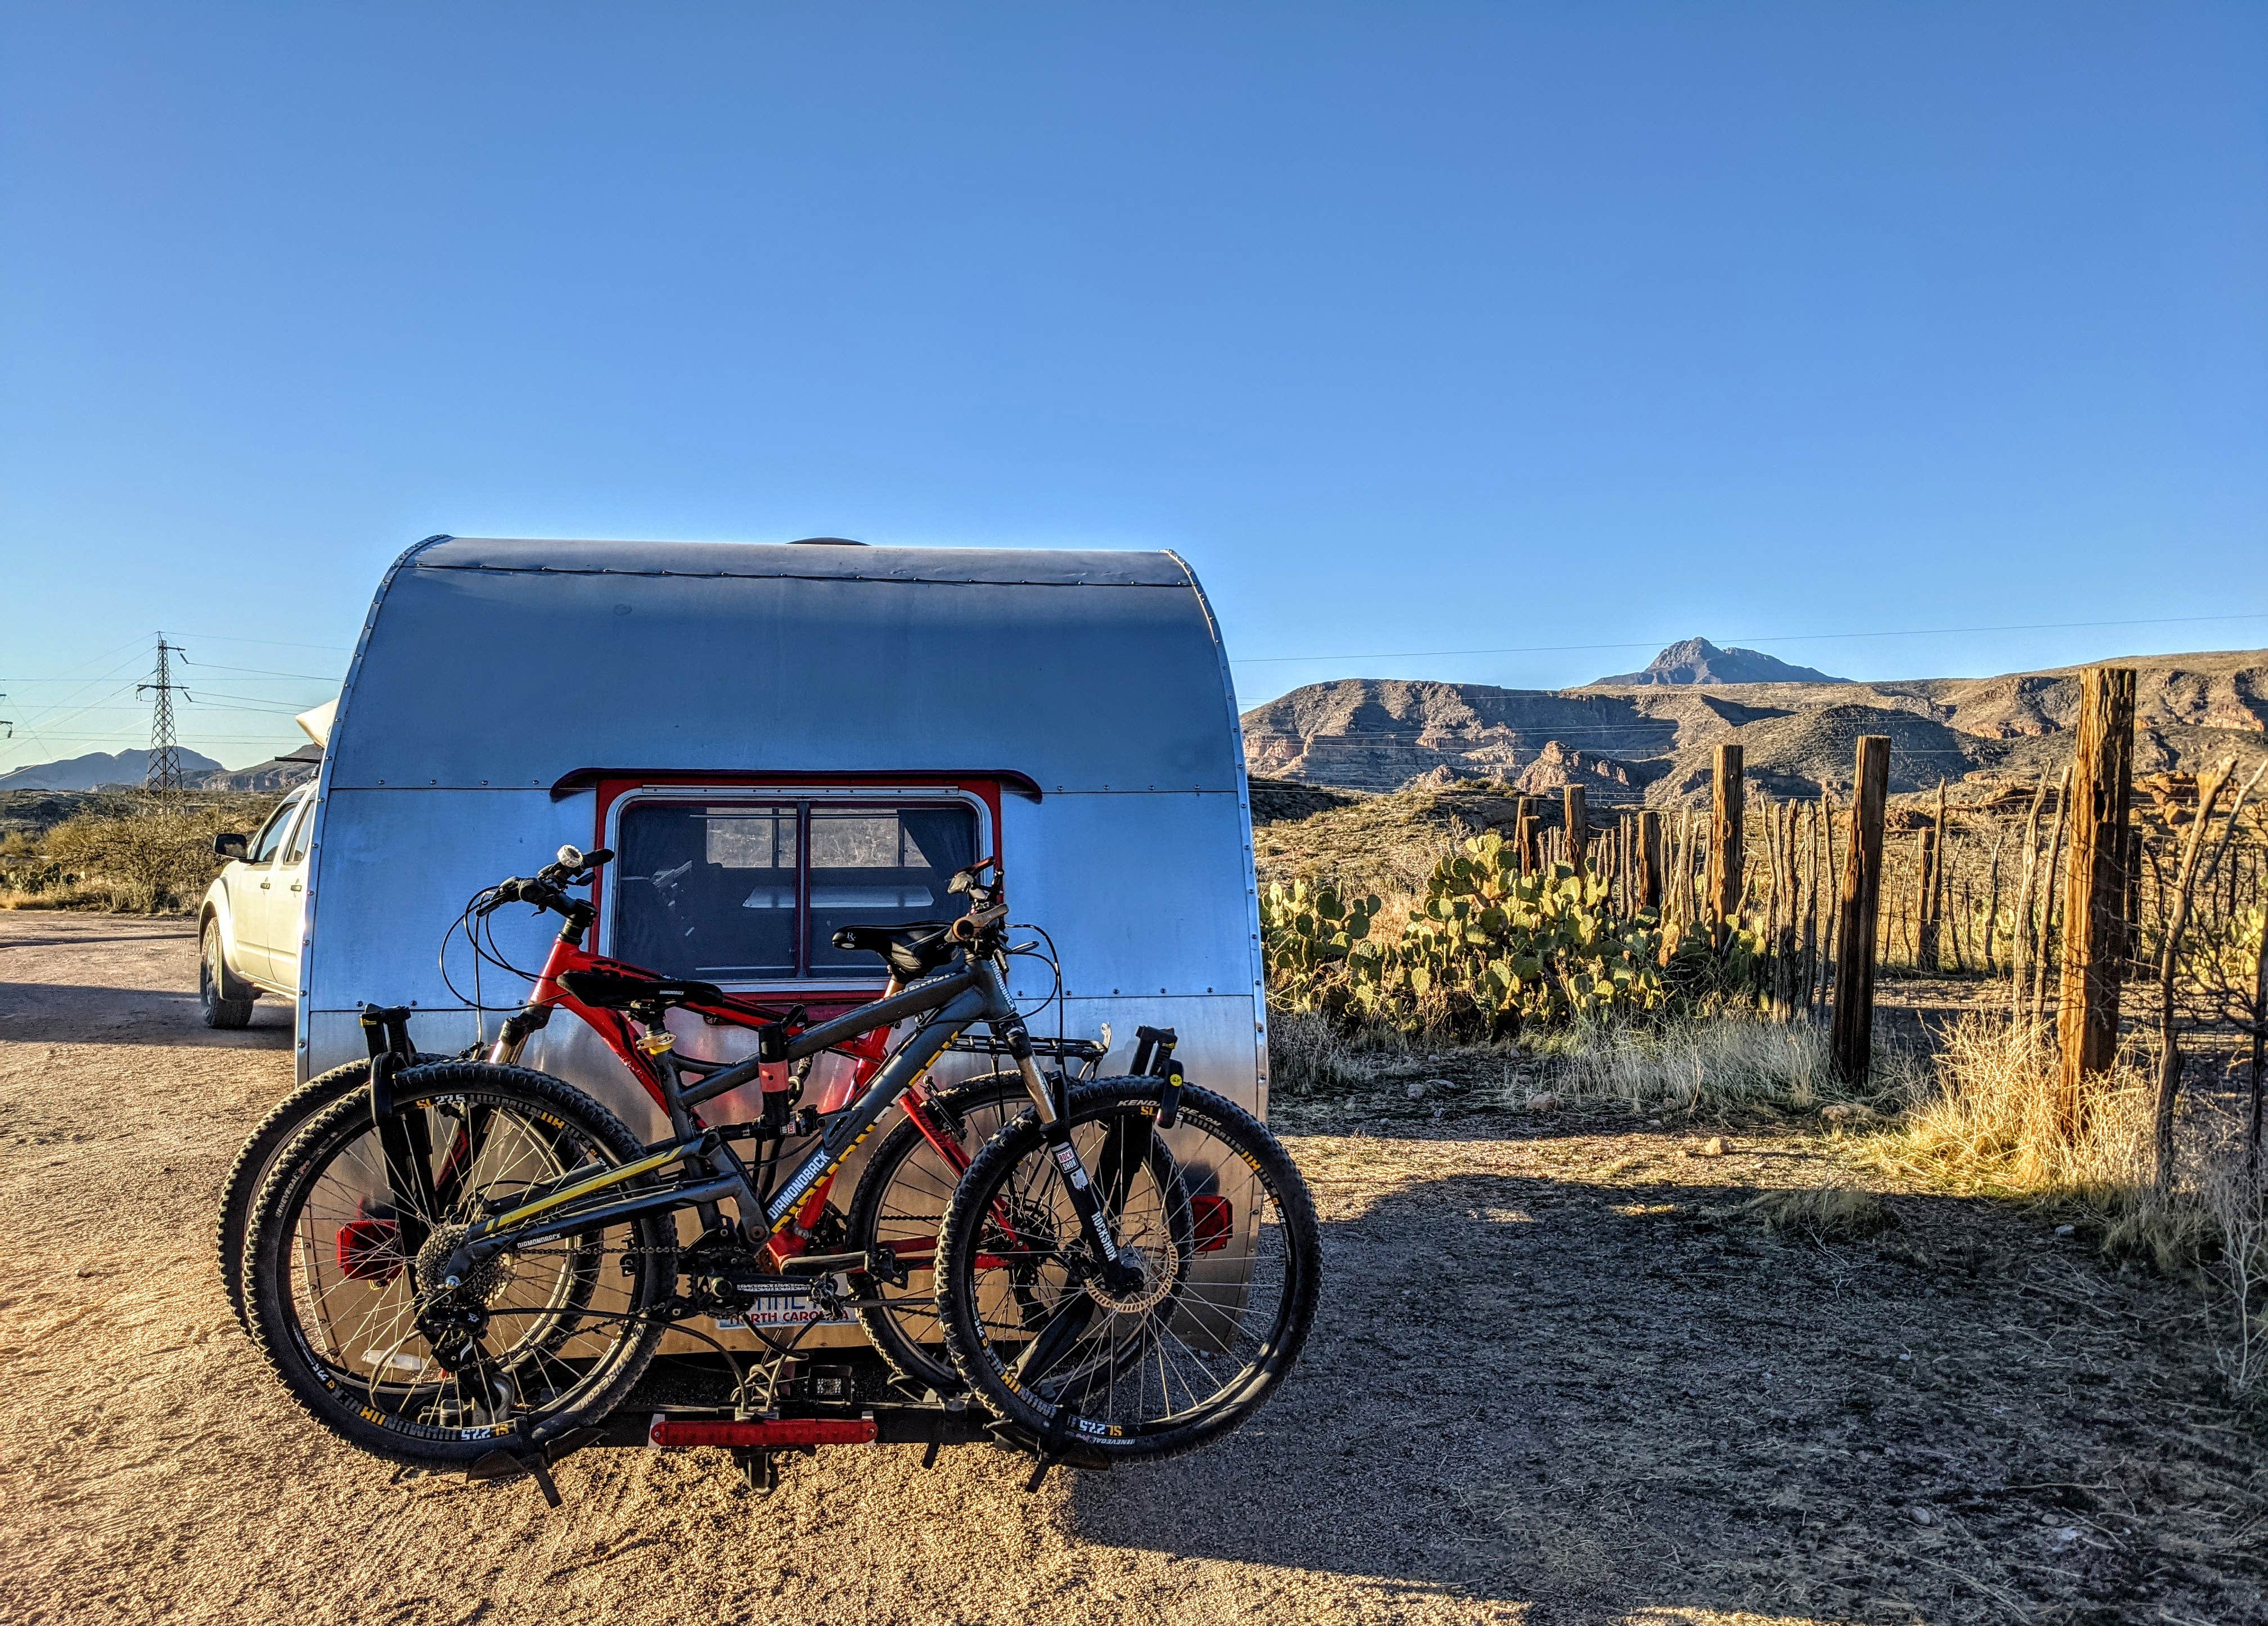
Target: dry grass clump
[(1826, 1214), (1985, 1120), (1988, 1124), (1307, 1052), (1703, 1062)]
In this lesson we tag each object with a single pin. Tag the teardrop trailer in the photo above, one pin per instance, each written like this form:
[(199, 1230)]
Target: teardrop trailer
[(788, 752)]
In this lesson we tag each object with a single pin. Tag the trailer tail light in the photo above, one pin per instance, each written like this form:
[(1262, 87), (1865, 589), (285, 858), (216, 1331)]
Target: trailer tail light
[(1213, 1220), (667, 1433), (369, 1248)]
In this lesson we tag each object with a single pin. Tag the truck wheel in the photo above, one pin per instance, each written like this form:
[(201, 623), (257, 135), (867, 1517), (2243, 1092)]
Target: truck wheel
[(219, 1011)]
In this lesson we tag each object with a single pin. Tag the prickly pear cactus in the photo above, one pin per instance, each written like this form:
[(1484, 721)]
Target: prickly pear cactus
[(1485, 944), (1309, 935)]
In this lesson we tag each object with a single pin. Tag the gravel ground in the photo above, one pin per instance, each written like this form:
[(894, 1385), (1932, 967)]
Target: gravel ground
[(1546, 1386)]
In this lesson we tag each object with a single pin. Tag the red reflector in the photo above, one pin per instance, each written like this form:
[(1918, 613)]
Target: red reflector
[(1213, 1223), (370, 1250), (666, 1433)]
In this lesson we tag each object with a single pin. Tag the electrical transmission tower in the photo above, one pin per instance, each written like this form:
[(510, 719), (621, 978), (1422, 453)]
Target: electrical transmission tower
[(163, 776)]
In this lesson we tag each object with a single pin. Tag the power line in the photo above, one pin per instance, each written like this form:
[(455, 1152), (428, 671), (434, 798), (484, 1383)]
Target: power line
[(1745, 639), (272, 643), (209, 739), (260, 671)]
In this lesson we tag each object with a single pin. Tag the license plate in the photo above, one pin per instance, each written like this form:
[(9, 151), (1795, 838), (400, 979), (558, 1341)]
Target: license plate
[(787, 1305)]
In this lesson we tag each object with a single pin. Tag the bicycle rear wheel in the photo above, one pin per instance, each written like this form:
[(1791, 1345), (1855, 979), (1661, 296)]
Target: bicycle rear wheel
[(1219, 1222), (356, 1223), (900, 1203)]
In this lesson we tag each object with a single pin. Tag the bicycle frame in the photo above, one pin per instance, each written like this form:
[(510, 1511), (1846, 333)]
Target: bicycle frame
[(954, 1001), (960, 1000), (662, 1077)]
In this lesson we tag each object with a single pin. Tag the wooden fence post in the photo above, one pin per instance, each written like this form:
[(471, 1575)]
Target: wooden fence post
[(1523, 831), (1649, 860), (2019, 948), (1728, 810), (2094, 907), (2210, 784), (1579, 831), (2051, 887), (1931, 897), (2130, 949), (1853, 1031), (1993, 905)]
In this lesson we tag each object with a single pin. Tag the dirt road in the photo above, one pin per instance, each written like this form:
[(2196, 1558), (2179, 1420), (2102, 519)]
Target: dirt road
[(1546, 1388)]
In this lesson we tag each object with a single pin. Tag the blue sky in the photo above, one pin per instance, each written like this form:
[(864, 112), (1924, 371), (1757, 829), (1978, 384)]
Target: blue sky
[(1415, 328)]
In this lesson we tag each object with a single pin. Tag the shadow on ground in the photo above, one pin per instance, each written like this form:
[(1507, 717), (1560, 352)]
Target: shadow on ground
[(65, 1013), (1599, 1398)]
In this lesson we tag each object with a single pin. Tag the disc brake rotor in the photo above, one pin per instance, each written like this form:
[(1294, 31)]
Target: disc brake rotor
[(1158, 1276)]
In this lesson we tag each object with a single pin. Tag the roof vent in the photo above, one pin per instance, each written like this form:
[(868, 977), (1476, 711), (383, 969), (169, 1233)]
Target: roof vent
[(825, 541)]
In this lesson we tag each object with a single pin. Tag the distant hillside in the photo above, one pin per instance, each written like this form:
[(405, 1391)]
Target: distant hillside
[(1654, 742), (1697, 661), (96, 768), (276, 773)]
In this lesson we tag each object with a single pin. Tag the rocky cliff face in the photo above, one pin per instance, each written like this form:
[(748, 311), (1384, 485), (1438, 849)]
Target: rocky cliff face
[(1655, 743)]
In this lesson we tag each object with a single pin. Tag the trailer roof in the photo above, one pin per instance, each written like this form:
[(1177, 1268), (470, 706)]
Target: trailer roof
[(496, 663), (818, 559)]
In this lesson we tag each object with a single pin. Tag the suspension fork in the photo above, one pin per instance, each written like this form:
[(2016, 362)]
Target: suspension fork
[(1008, 1028)]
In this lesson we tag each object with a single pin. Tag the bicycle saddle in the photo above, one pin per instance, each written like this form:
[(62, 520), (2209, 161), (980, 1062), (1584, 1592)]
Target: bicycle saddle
[(914, 949)]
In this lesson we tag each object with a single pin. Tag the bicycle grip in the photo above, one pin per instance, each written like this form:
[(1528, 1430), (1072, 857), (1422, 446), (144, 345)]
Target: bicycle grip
[(965, 928)]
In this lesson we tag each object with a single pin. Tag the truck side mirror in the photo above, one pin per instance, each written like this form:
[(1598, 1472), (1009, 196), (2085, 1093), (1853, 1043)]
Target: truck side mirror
[(229, 846)]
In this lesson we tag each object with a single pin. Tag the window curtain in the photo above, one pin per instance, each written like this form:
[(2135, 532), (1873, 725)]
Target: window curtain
[(945, 836)]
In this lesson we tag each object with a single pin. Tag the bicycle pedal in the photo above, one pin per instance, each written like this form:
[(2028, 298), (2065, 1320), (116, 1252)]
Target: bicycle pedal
[(511, 1465), (500, 1465), (1067, 1449)]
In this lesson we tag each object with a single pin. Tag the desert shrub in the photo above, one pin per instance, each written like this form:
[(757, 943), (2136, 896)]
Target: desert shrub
[(2237, 1210), (141, 856)]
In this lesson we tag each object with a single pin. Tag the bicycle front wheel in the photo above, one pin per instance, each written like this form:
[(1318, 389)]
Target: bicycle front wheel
[(1215, 1217)]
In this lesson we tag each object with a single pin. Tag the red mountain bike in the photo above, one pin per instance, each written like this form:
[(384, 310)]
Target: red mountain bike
[(468, 1253)]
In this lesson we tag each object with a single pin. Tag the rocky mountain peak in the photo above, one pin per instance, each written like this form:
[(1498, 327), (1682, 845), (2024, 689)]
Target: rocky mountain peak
[(1697, 661)]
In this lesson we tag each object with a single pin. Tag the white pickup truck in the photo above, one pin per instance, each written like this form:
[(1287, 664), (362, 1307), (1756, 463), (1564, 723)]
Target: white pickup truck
[(249, 923)]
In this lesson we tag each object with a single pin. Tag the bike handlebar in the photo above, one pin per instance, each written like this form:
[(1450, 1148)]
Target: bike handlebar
[(546, 888)]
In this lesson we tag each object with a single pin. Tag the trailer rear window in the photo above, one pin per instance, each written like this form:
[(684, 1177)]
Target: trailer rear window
[(753, 892)]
